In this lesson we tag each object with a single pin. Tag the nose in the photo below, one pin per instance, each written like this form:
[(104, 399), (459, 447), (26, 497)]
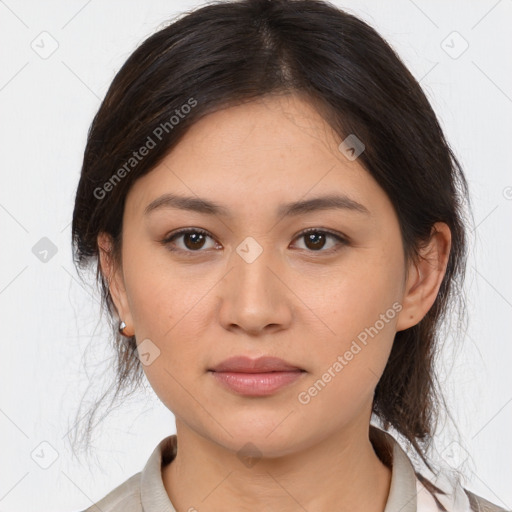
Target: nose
[(255, 298)]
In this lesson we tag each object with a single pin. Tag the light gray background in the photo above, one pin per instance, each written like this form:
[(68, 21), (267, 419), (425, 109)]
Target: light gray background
[(48, 320)]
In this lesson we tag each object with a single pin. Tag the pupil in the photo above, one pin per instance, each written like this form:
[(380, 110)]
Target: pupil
[(311, 238), (195, 237)]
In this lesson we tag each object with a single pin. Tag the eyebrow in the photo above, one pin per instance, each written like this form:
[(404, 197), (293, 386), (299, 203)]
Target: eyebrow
[(205, 206)]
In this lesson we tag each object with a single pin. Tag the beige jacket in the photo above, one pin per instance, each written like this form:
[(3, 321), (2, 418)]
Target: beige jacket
[(145, 491)]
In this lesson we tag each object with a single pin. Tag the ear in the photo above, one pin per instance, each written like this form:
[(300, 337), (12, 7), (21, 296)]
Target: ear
[(113, 274), (425, 277)]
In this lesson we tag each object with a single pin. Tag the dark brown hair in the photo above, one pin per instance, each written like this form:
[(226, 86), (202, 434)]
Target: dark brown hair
[(226, 53)]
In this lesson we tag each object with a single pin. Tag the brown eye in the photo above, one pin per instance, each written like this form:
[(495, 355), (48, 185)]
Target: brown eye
[(193, 240), (316, 240)]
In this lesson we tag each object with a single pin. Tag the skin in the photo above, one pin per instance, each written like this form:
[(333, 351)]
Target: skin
[(303, 305)]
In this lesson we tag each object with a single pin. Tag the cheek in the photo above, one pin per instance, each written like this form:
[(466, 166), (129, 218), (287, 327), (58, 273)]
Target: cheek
[(360, 305), (355, 296), (168, 314), (164, 297), (348, 364)]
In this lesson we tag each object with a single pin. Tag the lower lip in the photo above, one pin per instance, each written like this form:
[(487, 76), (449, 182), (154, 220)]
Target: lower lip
[(256, 384)]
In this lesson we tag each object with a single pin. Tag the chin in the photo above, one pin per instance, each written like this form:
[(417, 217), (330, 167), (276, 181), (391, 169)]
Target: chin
[(265, 434)]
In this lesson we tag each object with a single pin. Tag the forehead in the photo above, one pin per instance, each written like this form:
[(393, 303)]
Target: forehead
[(276, 148), (271, 124)]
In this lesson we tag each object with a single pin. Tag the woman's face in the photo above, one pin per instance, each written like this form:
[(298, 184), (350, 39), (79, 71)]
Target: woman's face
[(255, 285)]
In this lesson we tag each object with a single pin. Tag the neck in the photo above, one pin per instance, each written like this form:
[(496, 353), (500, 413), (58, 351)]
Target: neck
[(341, 473)]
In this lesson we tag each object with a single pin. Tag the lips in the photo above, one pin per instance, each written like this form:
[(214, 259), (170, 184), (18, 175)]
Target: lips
[(255, 377), (243, 364)]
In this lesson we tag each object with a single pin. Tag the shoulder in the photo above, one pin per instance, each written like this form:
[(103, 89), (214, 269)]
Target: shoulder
[(479, 504), (441, 490), (145, 490), (124, 498)]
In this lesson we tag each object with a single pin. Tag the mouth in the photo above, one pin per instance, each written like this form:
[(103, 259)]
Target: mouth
[(255, 377)]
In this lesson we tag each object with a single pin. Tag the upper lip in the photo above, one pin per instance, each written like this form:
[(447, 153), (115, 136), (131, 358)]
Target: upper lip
[(244, 364)]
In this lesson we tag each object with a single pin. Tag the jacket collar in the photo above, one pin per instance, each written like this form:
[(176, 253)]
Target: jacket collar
[(402, 492)]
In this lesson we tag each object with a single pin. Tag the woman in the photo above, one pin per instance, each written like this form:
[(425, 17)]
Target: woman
[(278, 226)]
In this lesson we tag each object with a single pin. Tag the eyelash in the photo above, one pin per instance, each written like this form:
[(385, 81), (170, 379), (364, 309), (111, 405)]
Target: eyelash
[(167, 241)]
